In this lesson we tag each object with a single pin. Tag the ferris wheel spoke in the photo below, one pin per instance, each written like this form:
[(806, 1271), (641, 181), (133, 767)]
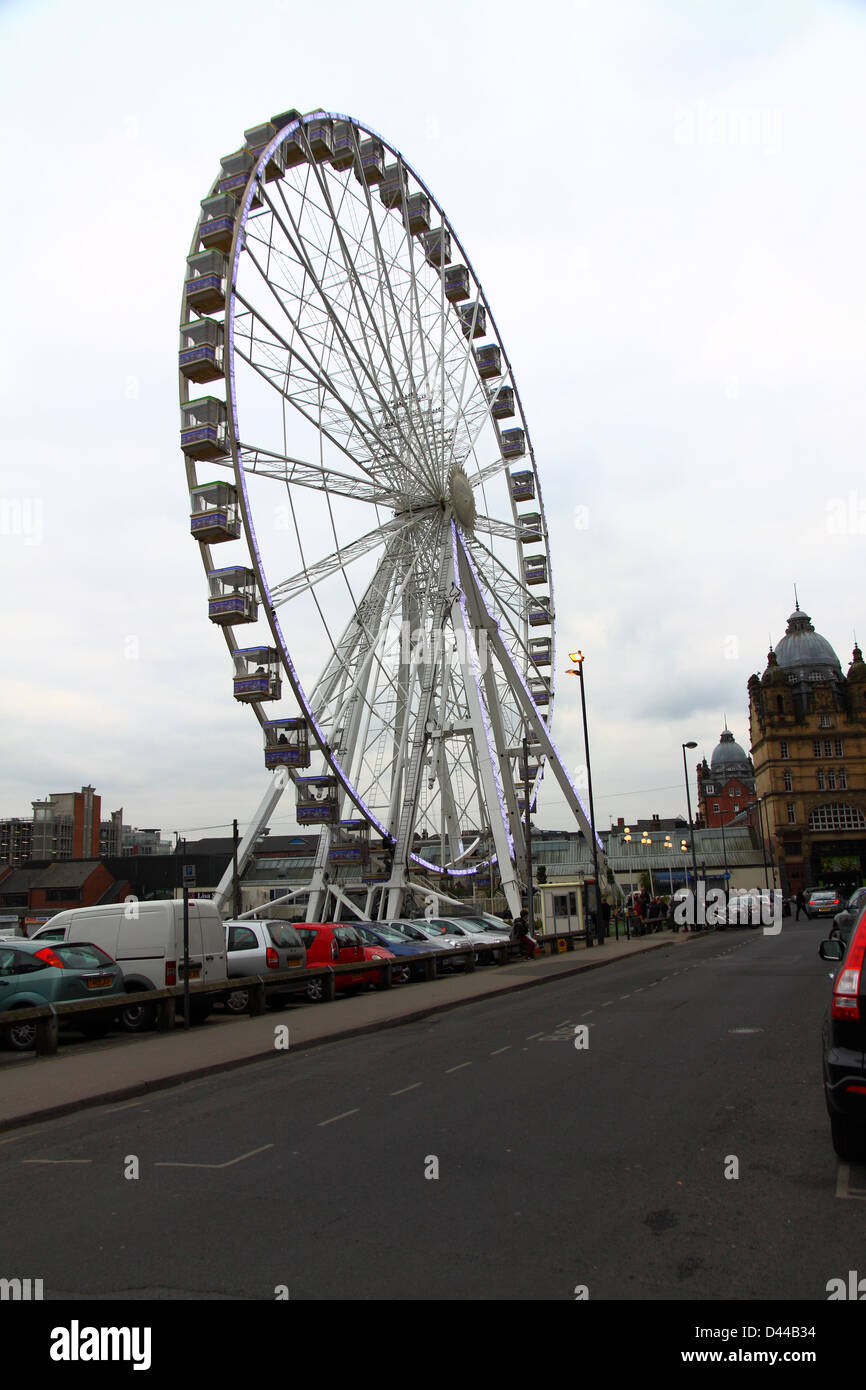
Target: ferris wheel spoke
[(267, 463), (314, 574), (358, 291), (376, 446), (506, 529), (355, 361), (385, 265), (488, 471)]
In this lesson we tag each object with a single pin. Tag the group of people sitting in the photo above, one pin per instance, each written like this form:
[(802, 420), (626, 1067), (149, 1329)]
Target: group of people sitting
[(649, 914)]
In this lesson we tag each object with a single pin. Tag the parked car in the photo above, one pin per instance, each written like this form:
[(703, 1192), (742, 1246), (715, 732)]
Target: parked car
[(821, 902), (484, 942), (338, 943), (33, 973), (419, 929), (844, 1044), (146, 940), (394, 940), (255, 946), (489, 922), (844, 921)]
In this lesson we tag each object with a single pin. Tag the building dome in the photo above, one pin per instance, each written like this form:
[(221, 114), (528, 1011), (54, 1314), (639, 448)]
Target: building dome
[(728, 756), (804, 653)]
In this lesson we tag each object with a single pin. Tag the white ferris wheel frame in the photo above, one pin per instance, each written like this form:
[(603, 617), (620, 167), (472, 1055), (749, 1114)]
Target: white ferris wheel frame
[(465, 599)]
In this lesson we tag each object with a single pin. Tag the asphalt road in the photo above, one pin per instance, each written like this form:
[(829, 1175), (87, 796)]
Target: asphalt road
[(558, 1166)]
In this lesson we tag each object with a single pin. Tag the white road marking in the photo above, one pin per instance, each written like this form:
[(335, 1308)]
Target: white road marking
[(230, 1164), (530, 1036), (607, 1003), (459, 1067), (335, 1118), (413, 1087), (500, 1049), (57, 1161)]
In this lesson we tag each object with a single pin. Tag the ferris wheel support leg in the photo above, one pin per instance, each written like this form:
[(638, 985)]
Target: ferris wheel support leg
[(265, 810), (319, 883), (485, 747)]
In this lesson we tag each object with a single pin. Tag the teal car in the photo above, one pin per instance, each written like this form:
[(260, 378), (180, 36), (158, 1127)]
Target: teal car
[(33, 973)]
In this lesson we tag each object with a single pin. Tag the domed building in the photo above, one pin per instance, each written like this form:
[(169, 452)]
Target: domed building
[(726, 785), (807, 723)]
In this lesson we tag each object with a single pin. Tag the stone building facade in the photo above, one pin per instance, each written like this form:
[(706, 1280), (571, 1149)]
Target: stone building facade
[(808, 734)]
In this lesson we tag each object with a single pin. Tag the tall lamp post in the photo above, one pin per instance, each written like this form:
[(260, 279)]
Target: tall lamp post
[(691, 744), (577, 658)]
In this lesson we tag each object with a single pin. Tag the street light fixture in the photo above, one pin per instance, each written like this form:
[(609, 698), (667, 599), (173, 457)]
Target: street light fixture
[(577, 658), (646, 842)]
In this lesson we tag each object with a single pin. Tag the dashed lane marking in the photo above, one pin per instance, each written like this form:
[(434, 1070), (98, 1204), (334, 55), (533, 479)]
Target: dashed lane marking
[(334, 1118), (413, 1087), (530, 1036), (57, 1161), (459, 1067), (500, 1049)]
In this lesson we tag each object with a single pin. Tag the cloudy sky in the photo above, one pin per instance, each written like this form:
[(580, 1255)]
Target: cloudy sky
[(664, 201)]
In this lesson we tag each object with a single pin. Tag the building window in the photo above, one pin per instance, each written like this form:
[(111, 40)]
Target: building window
[(831, 780), (711, 787), (816, 748), (783, 749), (838, 746), (789, 782), (828, 748), (792, 813), (780, 705), (826, 721), (822, 784), (837, 818), (715, 808), (843, 779), (736, 806)]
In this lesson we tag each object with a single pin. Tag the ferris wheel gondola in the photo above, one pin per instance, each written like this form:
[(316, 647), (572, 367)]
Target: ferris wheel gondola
[(396, 566)]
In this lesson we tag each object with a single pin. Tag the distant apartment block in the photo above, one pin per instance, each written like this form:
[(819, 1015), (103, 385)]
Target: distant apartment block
[(15, 838)]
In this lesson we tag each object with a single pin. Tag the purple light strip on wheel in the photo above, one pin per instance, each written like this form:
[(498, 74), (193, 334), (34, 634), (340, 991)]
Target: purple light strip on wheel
[(529, 696)]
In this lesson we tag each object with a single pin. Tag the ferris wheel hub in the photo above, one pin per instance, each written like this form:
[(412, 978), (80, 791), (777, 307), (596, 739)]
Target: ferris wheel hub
[(462, 498)]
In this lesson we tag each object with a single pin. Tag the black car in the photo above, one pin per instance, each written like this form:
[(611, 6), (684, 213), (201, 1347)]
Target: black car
[(844, 1038)]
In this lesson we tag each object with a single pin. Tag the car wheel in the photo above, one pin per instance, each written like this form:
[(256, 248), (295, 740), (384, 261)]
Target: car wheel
[(21, 1037), (138, 1018), (315, 991), (238, 1002), (849, 1138)]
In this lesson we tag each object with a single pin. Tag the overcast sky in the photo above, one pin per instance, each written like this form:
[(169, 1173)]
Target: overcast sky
[(665, 205)]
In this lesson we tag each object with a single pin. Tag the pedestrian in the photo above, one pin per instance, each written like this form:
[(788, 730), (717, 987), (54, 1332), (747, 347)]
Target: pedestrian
[(801, 906), (520, 931), (605, 919)]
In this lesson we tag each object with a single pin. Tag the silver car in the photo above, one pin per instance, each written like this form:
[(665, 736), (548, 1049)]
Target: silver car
[(255, 947)]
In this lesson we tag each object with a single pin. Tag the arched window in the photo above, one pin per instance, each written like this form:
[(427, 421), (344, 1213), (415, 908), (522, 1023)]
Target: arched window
[(837, 818), (780, 705)]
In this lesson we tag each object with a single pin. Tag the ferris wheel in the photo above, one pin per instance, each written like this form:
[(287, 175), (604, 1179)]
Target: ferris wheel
[(389, 564)]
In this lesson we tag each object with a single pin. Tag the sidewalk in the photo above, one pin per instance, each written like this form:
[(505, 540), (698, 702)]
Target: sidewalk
[(38, 1088)]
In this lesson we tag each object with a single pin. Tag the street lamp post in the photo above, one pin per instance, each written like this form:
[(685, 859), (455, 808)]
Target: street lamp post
[(691, 822), (577, 658)]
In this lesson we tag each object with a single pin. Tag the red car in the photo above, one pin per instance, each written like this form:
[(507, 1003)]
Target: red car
[(339, 943)]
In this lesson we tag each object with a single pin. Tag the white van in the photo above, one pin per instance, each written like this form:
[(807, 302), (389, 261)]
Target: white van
[(146, 940)]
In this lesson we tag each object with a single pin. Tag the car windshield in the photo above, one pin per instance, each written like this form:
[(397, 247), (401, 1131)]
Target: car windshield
[(389, 934)]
